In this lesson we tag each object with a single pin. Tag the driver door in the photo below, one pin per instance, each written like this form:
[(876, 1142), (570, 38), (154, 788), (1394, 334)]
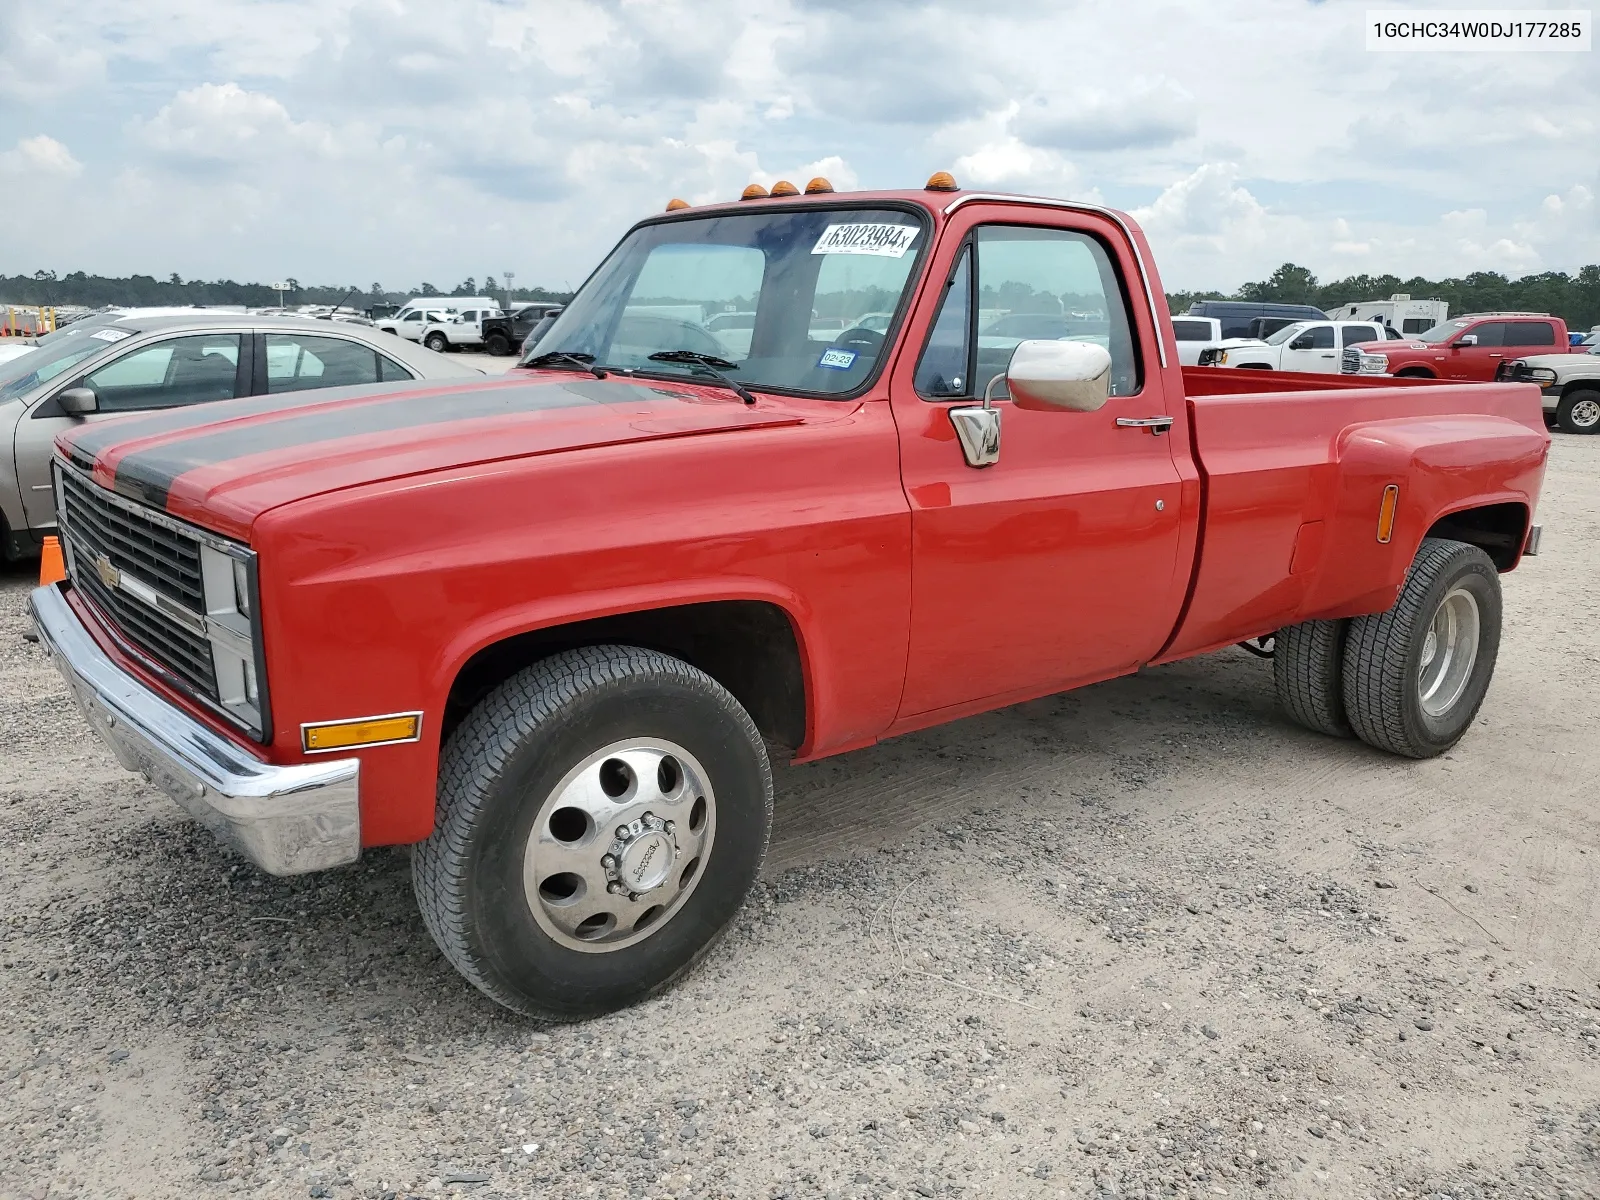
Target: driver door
[(1057, 565), (170, 373), (1311, 350)]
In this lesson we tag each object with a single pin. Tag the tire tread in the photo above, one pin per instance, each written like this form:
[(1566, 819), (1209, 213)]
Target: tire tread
[(1307, 666)]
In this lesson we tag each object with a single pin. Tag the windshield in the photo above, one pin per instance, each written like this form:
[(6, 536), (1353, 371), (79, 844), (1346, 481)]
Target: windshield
[(785, 299), (44, 362), (1442, 332), (1284, 334)]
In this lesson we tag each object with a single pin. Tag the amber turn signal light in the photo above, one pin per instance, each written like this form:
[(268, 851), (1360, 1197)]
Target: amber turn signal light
[(675, 204), (784, 188), (1386, 511), (362, 731), (940, 181), (754, 192), (817, 186)]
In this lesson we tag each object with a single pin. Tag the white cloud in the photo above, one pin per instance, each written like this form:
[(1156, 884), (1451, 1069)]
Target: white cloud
[(406, 139), (39, 159)]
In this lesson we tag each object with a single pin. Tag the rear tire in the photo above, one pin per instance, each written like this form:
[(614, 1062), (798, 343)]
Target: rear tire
[(437, 342), (1308, 672), (592, 767), (1415, 676), (1414, 373), (1579, 412)]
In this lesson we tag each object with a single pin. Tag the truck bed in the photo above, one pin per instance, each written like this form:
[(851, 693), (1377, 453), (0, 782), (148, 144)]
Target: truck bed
[(1293, 469)]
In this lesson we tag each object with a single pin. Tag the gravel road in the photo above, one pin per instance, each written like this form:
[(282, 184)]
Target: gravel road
[(1146, 939)]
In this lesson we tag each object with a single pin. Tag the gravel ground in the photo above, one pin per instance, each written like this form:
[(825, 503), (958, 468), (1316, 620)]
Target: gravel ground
[(1142, 940)]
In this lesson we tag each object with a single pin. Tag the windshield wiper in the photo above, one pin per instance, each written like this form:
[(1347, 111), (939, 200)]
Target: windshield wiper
[(584, 362), (710, 364)]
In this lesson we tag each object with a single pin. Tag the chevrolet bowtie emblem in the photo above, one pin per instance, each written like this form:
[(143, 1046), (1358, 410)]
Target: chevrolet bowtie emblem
[(109, 575)]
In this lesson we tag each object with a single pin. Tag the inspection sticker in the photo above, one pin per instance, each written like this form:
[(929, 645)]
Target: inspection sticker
[(837, 360), (110, 335), (885, 241)]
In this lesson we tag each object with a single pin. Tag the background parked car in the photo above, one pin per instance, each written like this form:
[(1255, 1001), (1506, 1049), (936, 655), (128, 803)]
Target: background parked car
[(458, 331), (1303, 346), (1570, 384), (1236, 315), (504, 333), (1470, 347), (138, 364)]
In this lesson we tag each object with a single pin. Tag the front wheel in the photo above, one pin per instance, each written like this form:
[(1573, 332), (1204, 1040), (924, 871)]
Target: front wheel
[(1414, 676), (437, 342), (1579, 412), (498, 344), (602, 815)]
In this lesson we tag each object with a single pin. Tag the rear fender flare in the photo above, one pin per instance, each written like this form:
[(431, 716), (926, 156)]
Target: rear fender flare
[(1442, 465)]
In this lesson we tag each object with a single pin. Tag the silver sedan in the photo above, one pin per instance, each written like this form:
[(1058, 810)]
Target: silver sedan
[(135, 364)]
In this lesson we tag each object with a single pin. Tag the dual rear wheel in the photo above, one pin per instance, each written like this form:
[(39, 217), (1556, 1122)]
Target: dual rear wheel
[(1409, 680)]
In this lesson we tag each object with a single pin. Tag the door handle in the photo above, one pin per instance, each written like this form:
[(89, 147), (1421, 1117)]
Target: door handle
[(1156, 425)]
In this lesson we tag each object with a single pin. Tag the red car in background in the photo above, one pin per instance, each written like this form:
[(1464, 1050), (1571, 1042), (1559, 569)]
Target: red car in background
[(1469, 348)]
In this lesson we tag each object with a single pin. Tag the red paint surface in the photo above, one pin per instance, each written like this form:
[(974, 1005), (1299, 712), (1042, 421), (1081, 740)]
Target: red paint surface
[(918, 588)]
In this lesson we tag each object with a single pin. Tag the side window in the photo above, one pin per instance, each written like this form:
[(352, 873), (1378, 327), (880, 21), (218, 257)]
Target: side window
[(1530, 333), (942, 370), (1321, 337), (1191, 331), (1355, 335), (1490, 333), (1051, 283), (389, 371), (296, 362), (170, 374)]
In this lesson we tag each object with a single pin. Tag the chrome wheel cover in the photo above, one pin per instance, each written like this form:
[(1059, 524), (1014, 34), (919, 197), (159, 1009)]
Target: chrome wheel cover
[(1449, 650), (619, 845)]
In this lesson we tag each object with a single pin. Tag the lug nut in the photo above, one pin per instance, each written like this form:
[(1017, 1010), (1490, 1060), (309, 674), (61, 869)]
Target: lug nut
[(614, 887), (608, 861), (669, 827)]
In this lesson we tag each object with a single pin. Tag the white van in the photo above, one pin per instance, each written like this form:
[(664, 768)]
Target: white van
[(1399, 312)]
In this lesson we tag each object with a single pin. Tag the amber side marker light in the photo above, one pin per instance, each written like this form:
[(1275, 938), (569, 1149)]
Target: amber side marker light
[(1386, 511), (754, 192), (784, 188), (941, 181), (818, 186), (362, 731)]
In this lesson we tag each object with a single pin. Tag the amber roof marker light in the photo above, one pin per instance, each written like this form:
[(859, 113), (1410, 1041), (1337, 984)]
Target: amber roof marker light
[(754, 192), (817, 186), (941, 181), (675, 204), (784, 188)]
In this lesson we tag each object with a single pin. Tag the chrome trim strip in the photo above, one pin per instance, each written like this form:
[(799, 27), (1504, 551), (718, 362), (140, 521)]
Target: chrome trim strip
[(286, 819), (305, 725), (1079, 206)]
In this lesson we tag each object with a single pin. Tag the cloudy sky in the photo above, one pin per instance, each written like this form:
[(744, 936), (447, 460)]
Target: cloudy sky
[(352, 141)]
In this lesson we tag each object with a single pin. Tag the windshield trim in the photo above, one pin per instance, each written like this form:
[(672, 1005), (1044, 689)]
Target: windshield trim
[(902, 308)]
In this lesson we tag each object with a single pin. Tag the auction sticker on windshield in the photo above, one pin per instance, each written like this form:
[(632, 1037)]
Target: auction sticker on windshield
[(885, 241), (110, 335)]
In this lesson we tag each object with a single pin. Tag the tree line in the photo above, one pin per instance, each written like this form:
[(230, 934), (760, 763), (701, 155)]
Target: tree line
[(1573, 298), (138, 291)]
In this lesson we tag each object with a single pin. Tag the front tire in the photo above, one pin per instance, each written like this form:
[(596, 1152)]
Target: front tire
[(437, 342), (498, 344), (602, 815), (1415, 676), (1579, 412)]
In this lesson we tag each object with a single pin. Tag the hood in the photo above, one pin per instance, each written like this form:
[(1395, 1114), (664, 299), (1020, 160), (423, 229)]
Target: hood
[(1574, 361), (221, 465)]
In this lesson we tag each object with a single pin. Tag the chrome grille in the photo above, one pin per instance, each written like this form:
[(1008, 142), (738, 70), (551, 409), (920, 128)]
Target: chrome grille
[(96, 528), (1350, 361)]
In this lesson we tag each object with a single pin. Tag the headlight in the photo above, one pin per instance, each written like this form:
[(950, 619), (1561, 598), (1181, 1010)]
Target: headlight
[(1374, 364), (1543, 376), (229, 584), (241, 587)]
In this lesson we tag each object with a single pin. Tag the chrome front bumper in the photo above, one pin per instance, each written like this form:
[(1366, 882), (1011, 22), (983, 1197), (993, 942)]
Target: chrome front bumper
[(286, 819)]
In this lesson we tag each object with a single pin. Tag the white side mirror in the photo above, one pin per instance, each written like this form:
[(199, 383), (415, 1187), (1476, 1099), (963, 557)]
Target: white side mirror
[(1056, 376)]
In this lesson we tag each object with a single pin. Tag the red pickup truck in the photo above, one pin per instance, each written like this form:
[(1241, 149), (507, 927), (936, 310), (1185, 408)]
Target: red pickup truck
[(546, 628), (1469, 347)]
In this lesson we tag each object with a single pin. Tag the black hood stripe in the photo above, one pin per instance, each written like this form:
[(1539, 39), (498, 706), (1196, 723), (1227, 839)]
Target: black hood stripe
[(90, 441), (148, 475)]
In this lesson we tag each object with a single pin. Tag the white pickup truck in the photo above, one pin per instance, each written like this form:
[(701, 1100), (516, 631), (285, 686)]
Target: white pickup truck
[(1304, 346), (457, 331)]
